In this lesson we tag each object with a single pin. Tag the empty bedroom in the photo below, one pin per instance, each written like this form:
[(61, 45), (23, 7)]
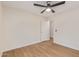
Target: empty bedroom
[(39, 28)]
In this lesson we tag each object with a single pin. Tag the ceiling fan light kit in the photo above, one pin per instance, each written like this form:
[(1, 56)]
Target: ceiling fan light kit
[(48, 9), (48, 6)]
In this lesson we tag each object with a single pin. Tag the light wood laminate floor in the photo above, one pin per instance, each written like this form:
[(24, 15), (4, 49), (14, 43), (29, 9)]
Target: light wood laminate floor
[(43, 49)]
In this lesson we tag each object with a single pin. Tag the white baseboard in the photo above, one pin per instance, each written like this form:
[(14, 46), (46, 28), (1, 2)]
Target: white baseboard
[(21, 46), (65, 45)]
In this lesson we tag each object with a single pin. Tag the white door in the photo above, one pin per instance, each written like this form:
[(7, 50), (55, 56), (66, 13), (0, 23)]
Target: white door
[(45, 30)]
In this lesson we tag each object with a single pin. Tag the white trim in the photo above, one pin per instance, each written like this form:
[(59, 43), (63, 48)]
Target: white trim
[(21, 46), (65, 45)]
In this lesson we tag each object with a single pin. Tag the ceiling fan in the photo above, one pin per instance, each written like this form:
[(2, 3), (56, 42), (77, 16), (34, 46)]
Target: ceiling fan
[(48, 6)]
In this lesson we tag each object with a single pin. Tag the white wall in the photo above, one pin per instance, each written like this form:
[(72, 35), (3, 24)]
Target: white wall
[(21, 28), (67, 26), (1, 30), (0, 24)]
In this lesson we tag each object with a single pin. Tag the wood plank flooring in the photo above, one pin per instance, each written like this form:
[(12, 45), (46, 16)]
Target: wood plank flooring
[(43, 49)]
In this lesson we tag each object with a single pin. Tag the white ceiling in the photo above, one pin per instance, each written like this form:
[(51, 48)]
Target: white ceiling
[(28, 6)]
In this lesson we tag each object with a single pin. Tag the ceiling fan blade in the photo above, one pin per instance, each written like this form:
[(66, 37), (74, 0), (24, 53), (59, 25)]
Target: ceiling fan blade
[(39, 5), (60, 3), (52, 11), (43, 11)]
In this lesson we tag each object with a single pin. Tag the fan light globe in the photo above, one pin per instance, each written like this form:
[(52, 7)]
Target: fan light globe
[(48, 9)]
